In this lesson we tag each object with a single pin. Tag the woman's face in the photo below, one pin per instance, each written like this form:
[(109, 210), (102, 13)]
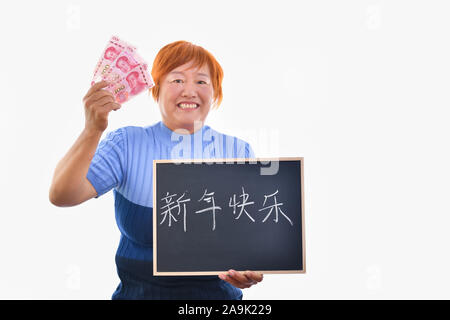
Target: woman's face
[(187, 86)]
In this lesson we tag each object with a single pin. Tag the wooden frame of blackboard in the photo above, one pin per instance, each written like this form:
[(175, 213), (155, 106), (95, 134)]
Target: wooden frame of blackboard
[(228, 160)]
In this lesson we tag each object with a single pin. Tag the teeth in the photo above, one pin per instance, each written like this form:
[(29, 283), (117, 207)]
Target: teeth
[(187, 106)]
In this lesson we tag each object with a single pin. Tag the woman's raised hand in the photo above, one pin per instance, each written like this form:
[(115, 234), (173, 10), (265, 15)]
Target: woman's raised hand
[(98, 102)]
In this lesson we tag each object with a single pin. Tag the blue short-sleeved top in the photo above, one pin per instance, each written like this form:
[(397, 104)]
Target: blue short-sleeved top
[(123, 161)]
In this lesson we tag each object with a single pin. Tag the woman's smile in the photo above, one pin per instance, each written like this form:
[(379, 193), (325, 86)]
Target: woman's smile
[(188, 106), (186, 96)]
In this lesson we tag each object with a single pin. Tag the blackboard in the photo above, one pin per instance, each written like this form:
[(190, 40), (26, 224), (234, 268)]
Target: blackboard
[(219, 214)]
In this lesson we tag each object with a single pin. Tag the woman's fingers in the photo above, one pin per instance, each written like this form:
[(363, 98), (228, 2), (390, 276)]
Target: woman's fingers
[(104, 100), (98, 95), (96, 87), (254, 276), (113, 106)]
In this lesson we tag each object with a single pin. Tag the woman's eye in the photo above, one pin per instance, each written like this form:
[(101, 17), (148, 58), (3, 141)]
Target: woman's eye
[(181, 81)]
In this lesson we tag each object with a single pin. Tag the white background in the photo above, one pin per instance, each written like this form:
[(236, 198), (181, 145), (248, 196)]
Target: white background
[(358, 88)]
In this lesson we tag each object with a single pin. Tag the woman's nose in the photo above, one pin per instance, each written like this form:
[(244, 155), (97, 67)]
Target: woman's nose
[(189, 90)]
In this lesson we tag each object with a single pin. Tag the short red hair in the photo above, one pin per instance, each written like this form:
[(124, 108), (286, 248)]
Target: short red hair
[(178, 53)]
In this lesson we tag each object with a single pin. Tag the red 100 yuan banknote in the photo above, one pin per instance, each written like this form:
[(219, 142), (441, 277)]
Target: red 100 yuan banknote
[(134, 82), (113, 49), (124, 69)]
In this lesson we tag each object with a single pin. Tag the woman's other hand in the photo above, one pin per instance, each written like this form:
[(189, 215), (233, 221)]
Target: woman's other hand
[(242, 280)]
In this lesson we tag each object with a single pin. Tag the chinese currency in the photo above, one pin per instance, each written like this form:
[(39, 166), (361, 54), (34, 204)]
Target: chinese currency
[(126, 71)]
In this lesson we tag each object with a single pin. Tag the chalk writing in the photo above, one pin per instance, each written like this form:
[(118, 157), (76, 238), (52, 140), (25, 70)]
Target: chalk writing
[(213, 208), (172, 209), (242, 205), (170, 205), (276, 205)]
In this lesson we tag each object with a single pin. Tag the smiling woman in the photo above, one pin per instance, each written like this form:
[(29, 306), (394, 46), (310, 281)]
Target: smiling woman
[(188, 81), (187, 84)]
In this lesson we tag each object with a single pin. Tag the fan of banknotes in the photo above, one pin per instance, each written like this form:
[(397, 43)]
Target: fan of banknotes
[(124, 69)]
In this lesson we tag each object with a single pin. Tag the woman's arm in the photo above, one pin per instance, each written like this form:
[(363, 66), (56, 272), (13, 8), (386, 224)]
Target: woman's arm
[(70, 186)]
